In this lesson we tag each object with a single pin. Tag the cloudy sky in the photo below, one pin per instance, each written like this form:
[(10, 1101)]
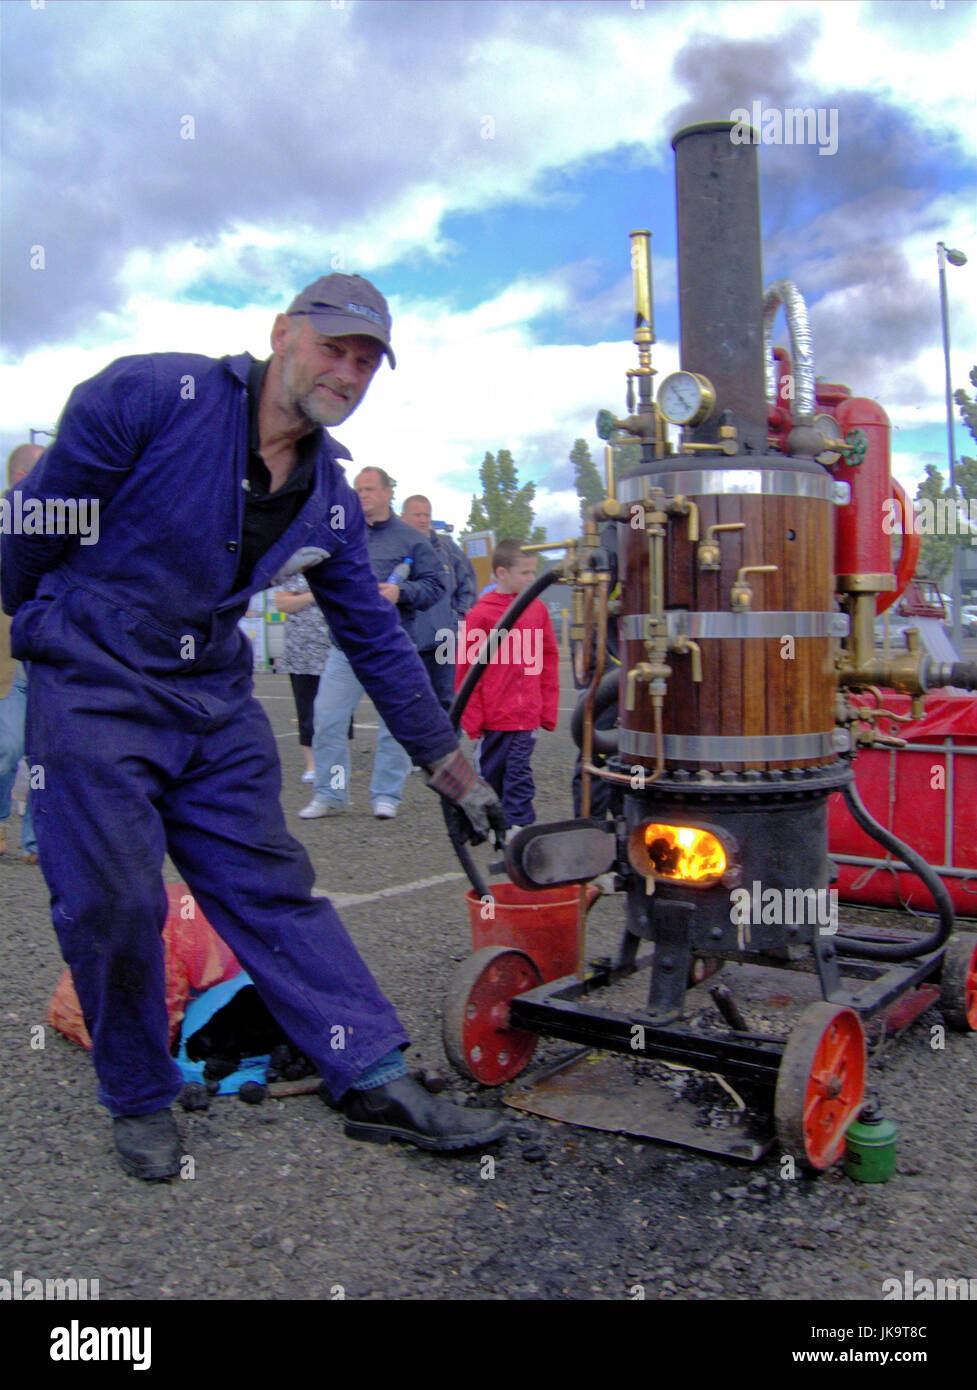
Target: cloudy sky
[(174, 172)]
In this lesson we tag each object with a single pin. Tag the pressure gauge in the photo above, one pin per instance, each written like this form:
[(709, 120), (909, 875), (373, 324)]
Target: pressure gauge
[(686, 398)]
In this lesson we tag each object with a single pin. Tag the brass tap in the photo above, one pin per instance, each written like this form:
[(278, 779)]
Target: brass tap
[(682, 644), (741, 594), (707, 552), (684, 506)]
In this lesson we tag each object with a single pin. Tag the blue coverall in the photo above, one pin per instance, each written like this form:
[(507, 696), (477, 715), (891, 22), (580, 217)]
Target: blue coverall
[(141, 715)]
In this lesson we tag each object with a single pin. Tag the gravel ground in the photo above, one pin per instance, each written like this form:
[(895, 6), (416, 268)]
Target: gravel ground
[(282, 1205)]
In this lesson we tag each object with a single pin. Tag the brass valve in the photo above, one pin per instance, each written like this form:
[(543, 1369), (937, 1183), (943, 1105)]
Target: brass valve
[(707, 551), (641, 672), (653, 673), (741, 594), (682, 644), (684, 506)]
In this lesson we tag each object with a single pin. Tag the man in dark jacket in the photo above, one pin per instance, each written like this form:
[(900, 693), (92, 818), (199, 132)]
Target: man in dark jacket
[(442, 619), (409, 577), (206, 477)]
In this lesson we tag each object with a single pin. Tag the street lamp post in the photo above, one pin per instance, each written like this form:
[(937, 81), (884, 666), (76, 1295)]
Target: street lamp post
[(944, 254)]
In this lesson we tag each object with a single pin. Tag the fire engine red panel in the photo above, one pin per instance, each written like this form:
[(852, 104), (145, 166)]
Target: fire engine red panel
[(906, 790), (861, 545)]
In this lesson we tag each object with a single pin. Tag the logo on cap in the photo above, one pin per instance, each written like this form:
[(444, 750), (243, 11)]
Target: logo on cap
[(367, 313)]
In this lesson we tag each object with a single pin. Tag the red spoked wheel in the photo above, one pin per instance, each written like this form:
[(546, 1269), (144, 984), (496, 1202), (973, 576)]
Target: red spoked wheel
[(820, 1084), (958, 982), (477, 1037)]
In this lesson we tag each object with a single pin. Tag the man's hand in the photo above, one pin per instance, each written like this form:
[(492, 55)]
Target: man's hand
[(478, 810), (391, 592)]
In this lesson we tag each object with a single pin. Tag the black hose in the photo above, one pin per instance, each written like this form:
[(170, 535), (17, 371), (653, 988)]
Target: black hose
[(604, 740), (963, 674), (871, 950), (509, 618)]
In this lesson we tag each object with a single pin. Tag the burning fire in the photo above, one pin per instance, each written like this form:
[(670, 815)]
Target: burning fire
[(682, 852)]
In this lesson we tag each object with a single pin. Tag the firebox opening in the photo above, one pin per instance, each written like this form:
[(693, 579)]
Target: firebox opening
[(678, 853)]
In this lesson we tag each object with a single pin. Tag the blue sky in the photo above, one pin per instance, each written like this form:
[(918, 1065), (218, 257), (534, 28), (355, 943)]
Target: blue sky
[(484, 163)]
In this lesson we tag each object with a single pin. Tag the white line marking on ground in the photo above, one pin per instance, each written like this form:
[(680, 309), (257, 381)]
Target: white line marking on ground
[(355, 899)]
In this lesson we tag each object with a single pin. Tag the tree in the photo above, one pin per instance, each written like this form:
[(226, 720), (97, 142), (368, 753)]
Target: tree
[(968, 407), (504, 507), (586, 479), (627, 455), (936, 550)]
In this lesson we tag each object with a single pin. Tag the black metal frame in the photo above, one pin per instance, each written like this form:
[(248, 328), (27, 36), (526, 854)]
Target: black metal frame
[(554, 1010)]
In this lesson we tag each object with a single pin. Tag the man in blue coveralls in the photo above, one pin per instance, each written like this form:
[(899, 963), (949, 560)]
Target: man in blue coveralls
[(208, 478)]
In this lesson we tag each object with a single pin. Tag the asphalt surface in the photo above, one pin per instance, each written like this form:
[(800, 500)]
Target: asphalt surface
[(282, 1205)]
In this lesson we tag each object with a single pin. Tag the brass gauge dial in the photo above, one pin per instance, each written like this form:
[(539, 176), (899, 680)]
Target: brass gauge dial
[(686, 398)]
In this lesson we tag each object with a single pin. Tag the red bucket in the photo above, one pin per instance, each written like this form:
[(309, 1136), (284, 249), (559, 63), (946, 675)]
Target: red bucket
[(542, 923)]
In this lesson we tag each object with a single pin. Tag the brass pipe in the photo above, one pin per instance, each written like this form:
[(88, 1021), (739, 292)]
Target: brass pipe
[(644, 309), (600, 659), (588, 628), (587, 749), (609, 470), (607, 774)]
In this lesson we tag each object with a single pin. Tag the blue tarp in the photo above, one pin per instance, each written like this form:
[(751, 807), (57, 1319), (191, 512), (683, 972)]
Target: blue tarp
[(199, 1013)]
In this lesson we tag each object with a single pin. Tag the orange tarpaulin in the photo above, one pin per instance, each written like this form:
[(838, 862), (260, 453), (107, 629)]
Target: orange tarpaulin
[(195, 959)]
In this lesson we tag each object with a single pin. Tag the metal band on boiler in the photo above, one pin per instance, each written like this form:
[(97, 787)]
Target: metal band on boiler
[(758, 748), (697, 482), (636, 626)]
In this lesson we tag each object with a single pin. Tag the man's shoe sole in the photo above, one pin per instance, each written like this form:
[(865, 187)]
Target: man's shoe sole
[(148, 1172), (382, 1134)]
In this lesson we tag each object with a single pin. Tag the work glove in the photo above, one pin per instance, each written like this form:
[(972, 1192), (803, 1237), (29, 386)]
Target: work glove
[(475, 811)]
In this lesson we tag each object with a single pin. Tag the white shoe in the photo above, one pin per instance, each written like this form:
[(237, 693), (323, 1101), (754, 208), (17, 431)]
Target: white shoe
[(384, 808), (317, 808), (308, 776)]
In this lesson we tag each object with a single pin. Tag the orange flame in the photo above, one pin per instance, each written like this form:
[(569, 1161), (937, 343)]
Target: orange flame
[(682, 852)]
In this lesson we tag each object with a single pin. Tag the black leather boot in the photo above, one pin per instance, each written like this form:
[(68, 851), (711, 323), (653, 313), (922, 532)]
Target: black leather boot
[(405, 1110), (148, 1145)]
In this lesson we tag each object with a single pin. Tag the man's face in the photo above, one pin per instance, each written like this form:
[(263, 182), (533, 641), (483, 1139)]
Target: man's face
[(417, 513), (325, 378), (374, 497)]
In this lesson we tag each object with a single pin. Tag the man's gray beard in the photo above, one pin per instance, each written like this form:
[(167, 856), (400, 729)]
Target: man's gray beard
[(307, 407)]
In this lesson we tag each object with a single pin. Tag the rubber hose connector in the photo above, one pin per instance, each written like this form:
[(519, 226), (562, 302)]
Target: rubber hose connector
[(605, 740)]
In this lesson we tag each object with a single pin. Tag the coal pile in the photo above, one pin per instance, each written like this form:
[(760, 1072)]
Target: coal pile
[(245, 1028)]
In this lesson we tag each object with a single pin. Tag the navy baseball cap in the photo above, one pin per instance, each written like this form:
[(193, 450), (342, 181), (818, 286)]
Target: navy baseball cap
[(345, 304)]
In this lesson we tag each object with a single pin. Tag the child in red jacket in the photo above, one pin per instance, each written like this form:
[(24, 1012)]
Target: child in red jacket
[(520, 690)]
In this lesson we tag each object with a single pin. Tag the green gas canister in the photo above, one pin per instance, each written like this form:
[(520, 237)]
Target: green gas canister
[(870, 1145)]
